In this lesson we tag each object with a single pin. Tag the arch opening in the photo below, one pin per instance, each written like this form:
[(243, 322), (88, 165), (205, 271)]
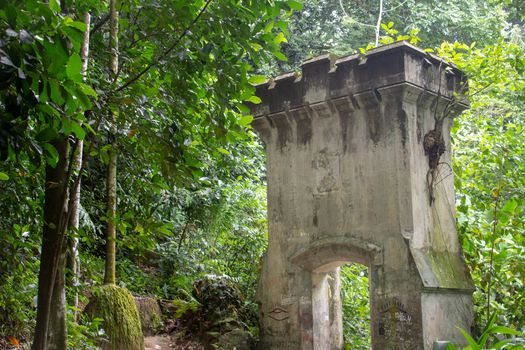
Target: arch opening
[(341, 306), (355, 302)]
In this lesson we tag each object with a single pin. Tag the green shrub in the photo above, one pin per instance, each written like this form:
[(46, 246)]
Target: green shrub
[(491, 338), (356, 307), (18, 286), (85, 334)]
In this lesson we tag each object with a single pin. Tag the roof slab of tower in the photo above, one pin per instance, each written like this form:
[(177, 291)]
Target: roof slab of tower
[(328, 78)]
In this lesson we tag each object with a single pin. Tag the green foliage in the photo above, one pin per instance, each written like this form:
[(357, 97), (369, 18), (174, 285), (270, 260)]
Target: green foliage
[(86, 334), (488, 164), (121, 322), (391, 36), (140, 280), (42, 93), (183, 306), (18, 287), (490, 212), (344, 26), (491, 338), (20, 208), (356, 307), (223, 232)]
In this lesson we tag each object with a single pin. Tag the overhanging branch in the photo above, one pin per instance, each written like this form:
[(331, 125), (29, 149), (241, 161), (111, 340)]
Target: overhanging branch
[(167, 51)]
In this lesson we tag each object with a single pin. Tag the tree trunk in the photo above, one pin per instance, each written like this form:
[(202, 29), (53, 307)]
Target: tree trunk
[(72, 258), (73, 261), (111, 234), (378, 25), (57, 330), (54, 213)]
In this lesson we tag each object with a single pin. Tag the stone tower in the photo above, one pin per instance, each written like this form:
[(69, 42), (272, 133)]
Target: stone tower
[(359, 171)]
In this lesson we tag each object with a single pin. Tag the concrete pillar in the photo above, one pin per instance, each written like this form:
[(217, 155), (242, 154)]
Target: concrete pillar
[(359, 171)]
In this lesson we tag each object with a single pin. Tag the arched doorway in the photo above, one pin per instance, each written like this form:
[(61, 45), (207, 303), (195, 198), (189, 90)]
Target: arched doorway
[(355, 302), (341, 307), (331, 263)]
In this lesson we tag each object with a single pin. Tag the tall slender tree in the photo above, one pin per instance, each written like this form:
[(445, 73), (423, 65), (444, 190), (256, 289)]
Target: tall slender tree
[(73, 261), (111, 179)]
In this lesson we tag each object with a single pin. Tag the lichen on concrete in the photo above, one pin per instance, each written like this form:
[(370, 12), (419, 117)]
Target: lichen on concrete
[(447, 269)]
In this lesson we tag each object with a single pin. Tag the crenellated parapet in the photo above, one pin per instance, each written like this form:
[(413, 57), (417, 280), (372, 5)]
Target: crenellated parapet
[(326, 78)]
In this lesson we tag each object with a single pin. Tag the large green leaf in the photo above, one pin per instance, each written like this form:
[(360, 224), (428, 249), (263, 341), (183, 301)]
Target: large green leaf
[(56, 92), (245, 120), (473, 345), (73, 68), (51, 154), (54, 5)]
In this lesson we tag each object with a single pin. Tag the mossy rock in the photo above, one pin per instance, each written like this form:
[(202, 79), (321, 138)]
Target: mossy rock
[(237, 339), (150, 315), (116, 306)]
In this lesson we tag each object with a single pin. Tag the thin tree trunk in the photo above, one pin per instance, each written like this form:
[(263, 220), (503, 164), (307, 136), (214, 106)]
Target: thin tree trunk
[(57, 330), (379, 19), (54, 209), (73, 262), (111, 234), (51, 325)]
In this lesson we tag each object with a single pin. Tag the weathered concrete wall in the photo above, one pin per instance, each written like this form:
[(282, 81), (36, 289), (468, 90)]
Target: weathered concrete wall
[(351, 178)]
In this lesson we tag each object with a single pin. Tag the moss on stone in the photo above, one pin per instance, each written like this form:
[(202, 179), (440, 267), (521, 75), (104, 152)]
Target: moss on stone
[(448, 270), (116, 306)]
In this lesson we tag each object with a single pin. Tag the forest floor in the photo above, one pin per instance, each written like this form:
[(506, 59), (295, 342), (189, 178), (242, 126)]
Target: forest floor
[(164, 342), (158, 343)]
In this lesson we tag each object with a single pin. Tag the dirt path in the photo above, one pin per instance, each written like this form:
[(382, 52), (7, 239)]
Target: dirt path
[(158, 343)]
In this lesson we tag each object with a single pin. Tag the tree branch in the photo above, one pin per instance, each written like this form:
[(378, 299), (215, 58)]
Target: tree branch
[(99, 24), (379, 18), (343, 8), (167, 51), (396, 7)]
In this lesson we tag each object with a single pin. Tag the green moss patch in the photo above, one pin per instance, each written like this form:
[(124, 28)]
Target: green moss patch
[(448, 269), (116, 306)]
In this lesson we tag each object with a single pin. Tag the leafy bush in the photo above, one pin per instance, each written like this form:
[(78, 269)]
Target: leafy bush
[(490, 338), (217, 294), (86, 334), (356, 307), (214, 308), (18, 288)]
